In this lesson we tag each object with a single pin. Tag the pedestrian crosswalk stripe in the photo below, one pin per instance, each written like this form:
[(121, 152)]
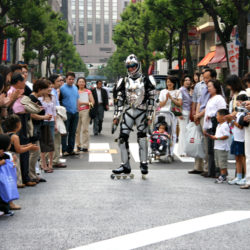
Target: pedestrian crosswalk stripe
[(167, 232), (134, 150), (99, 157)]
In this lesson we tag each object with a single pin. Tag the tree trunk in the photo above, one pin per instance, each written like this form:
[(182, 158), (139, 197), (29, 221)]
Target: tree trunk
[(170, 52), (223, 35), (188, 52), (27, 46), (40, 60), (14, 50), (180, 54), (242, 29)]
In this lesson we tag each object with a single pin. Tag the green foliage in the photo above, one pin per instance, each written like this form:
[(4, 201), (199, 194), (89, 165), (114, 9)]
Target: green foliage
[(133, 33)]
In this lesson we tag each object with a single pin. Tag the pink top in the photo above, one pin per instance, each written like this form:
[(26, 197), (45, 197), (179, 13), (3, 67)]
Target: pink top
[(84, 107), (49, 107), (17, 106)]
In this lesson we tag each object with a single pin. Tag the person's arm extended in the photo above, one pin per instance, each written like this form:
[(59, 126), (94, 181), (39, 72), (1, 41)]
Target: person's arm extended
[(213, 137), (40, 117), (22, 148)]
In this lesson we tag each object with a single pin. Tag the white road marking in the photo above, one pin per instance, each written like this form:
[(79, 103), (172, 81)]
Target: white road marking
[(158, 234), (99, 157), (134, 150)]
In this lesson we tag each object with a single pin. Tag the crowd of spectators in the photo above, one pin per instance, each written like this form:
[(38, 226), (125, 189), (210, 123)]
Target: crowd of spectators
[(40, 120), (223, 121)]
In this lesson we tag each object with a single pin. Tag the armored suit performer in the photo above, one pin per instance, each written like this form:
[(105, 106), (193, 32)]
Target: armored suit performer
[(134, 106)]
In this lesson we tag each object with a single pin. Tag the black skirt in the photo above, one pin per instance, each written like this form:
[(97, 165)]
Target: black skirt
[(46, 140)]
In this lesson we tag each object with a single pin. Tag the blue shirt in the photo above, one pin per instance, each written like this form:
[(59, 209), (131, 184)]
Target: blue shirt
[(205, 95), (198, 90), (69, 97), (55, 94)]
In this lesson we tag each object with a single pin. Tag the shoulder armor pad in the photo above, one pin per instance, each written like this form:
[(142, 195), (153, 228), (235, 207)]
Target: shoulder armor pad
[(152, 80), (120, 84)]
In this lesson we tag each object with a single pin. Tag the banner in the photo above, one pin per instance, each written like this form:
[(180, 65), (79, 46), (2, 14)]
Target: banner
[(233, 56), (6, 50)]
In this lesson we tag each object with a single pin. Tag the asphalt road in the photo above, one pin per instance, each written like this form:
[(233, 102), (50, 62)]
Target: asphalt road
[(81, 205)]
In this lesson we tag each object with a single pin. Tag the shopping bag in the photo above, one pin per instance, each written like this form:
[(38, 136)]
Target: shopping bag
[(194, 141), (8, 182)]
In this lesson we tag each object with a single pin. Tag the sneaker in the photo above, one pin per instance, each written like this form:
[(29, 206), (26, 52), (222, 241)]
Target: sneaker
[(161, 147), (241, 182), (220, 179), (65, 154), (1, 213), (234, 181), (9, 213)]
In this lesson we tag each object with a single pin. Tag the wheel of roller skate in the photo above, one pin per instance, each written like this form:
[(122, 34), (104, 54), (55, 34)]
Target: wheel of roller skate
[(132, 176), (118, 177), (112, 177), (124, 177)]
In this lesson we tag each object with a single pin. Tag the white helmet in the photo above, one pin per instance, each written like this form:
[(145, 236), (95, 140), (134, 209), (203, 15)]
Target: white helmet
[(132, 61)]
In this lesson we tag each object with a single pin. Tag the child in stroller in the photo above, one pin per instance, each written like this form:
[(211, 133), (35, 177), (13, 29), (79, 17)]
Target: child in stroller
[(159, 140)]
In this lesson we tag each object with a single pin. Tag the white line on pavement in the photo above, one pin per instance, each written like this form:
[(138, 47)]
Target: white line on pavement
[(158, 234), (99, 157), (134, 150)]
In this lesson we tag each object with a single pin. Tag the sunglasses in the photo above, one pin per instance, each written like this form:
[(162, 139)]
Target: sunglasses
[(131, 66)]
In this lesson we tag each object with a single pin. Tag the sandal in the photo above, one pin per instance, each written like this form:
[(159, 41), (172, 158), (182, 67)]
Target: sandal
[(49, 171)]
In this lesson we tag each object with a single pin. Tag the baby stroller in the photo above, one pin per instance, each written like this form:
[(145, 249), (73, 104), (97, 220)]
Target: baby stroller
[(163, 153)]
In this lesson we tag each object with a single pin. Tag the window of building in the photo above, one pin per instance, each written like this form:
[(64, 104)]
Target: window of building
[(90, 32), (106, 32)]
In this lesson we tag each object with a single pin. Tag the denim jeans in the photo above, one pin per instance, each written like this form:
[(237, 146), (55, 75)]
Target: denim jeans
[(68, 141)]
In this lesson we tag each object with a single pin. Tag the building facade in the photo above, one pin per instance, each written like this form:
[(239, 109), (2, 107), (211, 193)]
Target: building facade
[(93, 23)]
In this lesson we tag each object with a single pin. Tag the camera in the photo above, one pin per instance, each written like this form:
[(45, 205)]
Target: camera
[(241, 109)]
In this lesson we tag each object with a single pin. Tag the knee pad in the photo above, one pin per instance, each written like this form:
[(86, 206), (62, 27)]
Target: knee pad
[(123, 138), (141, 135)]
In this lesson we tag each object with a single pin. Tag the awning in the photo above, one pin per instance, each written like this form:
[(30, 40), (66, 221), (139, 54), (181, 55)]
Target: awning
[(182, 63), (220, 55), (208, 57)]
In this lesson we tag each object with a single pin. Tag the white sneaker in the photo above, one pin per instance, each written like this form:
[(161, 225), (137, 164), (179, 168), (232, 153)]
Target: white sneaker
[(234, 181), (161, 147), (241, 182), (220, 180)]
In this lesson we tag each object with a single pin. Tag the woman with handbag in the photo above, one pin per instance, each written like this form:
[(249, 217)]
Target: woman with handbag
[(86, 100), (171, 101), (215, 102), (184, 118)]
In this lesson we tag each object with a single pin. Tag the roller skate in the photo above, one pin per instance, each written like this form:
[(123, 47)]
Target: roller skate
[(122, 172), (144, 170)]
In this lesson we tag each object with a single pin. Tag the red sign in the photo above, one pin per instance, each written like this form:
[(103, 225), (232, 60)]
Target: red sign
[(233, 54), (193, 31)]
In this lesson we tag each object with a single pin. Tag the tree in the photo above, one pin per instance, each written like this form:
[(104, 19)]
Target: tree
[(8, 9), (133, 33), (165, 13), (224, 16), (115, 67)]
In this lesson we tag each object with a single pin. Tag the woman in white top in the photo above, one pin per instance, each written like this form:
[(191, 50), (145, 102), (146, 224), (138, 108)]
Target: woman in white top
[(166, 97), (215, 102)]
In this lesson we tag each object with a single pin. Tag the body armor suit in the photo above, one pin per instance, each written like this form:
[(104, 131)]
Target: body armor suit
[(134, 106)]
